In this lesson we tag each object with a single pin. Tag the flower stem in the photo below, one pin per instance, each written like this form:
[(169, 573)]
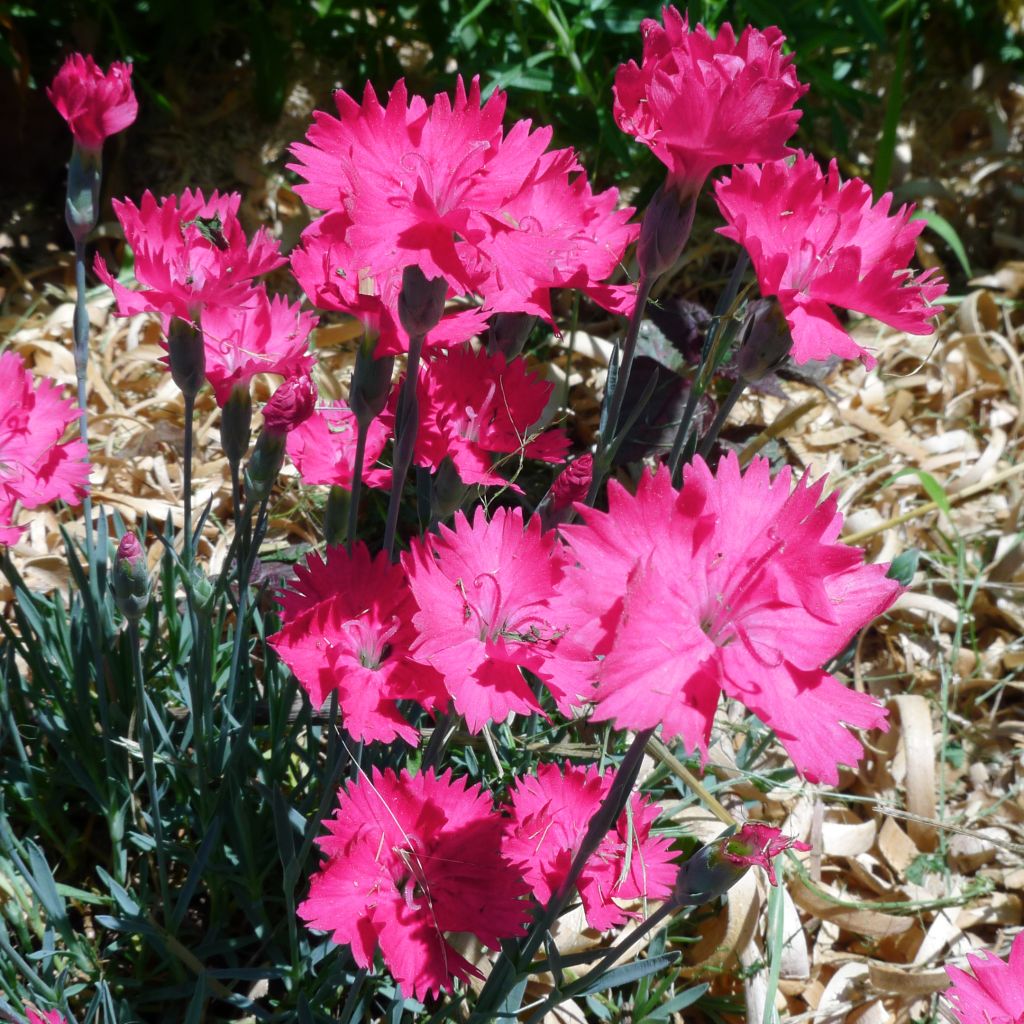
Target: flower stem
[(81, 351), (406, 427), (737, 389), (357, 483), (643, 291), (186, 549), (146, 742)]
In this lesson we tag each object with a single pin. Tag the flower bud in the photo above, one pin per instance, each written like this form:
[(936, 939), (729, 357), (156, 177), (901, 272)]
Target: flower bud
[(508, 334), (718, 866), (289, 406), (447, 491), (339, 500), (186, 354), (264, 464), (664, 231), (203, 590), (236, 424), (131, 578), (766, 343), (570, 486), (371, 385), (421, 301)]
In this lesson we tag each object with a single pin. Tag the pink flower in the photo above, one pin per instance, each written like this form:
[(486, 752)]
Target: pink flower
[(817, 242), (732, 584), (483, 592), (263, 335), (444, 188), (290, 405), (95, 105), (335, 276), (699, 102), (348, 628), (189, 254), (759, 844), (44, 1016), (474, 406), (550, 814), (411, 858), (323, 448), (994, 992), (35, 466)]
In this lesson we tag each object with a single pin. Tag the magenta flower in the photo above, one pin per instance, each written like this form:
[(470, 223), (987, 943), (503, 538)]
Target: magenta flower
[(758, 844), (44, 1016), (817, 242), (189, 254), (993, 993), (550, 814), (348, 628), (263, 335), (474, 407), (483, 590), (335, 276), (411, 858), (699, 102), (36, 467), (323, 448), (95, 105), (733, 584)]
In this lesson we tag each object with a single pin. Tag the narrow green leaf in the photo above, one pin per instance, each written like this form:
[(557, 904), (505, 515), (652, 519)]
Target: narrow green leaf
[(628, 973), (937, 223)]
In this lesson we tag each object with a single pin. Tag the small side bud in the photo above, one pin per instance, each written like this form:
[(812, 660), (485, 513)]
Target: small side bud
[(508, 334), (186, 355), (289, 406), (236, 424), (131, 578), (339, 500), (264, 464), (421, 301), (664, 230), (203, 590), (766, 342), (570, 486)]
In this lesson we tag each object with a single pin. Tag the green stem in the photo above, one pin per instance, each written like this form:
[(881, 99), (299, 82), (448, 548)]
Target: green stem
[(738, 387), (146, 742), (628, 353), (186, 550), (406, 427), (81, 351), (357, 482)]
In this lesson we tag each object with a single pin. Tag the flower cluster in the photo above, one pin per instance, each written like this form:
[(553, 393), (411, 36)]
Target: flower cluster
[(36, 466)]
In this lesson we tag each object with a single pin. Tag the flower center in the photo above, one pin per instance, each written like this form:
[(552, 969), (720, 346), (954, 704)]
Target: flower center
[(371, 642)]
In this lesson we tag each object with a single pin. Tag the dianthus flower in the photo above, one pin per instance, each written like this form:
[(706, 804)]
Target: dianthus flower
[(474, 406), (335, 277), (699, 102), (993, 993), (189, 254), (483, 590), (442, 187), (323, 448), (348, 629), (411, 858), (550, 814), (262, 335), (95, 104), (817, 242), (35, 466), (733, 584), (44, 1016)]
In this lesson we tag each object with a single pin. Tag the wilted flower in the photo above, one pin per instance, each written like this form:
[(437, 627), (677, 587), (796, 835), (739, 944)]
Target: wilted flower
[(410, 859), (699, 102), (483, 590), (549, 817), (734, 584), (818, 242), (261, 335), (993, 993), (189, 253), (94, 104), (348, 628), (36, 467)]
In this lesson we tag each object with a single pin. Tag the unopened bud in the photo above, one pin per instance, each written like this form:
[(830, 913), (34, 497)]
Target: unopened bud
[(82, 207), (508, 334), (131, 578), (447, 490), (339, 500), (766, 343), (264, 464), (236, 424), (421, 301), (664, 230), (570, 486), (186, 354), (203, 590), (371, 385), (290, 405)]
